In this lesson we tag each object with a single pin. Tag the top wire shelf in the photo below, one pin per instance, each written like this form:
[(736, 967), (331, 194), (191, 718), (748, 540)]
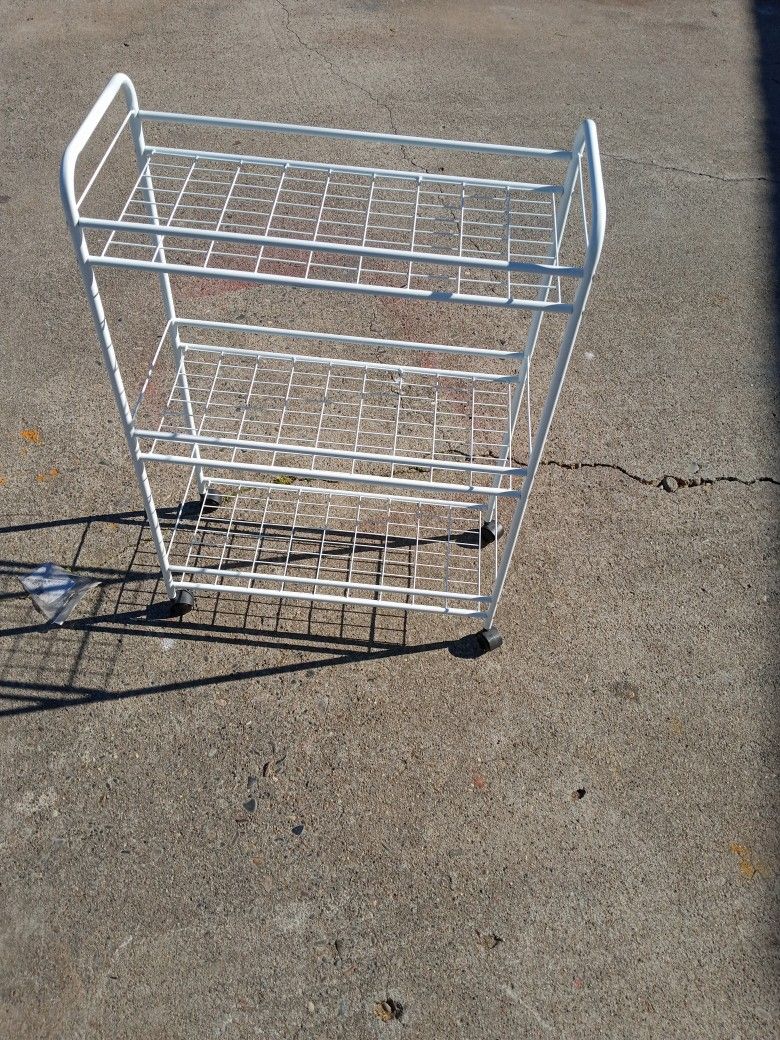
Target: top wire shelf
[(282, 219), (330, 225)]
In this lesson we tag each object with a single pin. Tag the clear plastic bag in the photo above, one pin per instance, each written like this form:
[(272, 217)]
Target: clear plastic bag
[(56, 592)]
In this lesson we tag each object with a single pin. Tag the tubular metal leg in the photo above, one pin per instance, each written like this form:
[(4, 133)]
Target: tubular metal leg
[(120, 396), (147, 186)]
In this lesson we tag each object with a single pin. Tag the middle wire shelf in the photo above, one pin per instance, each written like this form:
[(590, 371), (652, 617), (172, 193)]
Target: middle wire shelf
[(304, 418)]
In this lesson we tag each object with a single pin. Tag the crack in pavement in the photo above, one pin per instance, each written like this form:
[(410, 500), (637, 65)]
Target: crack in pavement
[(404, 151), (345, 79), (385, 105), (668, 482), (736, 179)]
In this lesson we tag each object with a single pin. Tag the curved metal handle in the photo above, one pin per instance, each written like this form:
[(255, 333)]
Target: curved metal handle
[(587, 140), (68, 166)]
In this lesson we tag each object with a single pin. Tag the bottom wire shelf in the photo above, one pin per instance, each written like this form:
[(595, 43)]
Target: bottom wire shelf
[(332, 545)]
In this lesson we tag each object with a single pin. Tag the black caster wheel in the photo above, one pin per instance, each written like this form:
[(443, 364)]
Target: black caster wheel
[(490, 532), (489, 639), (210, 501), (182, 605)]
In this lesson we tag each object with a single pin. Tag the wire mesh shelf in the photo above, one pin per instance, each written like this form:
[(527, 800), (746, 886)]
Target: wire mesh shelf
[(305, 415), (313, 543), (325, 471), (224, 215)]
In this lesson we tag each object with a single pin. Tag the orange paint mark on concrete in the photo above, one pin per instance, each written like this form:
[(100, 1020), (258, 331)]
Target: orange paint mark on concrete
[(3, 481), (48, 475), (31, 435), (748, 866)]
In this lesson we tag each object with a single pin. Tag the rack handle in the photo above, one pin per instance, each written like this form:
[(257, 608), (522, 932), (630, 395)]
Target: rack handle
[(118, 82), (587, 141)]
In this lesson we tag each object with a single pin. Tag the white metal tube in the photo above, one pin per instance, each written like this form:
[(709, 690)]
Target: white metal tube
[(294, 489), (372, 366), (331, 582), (536, 324), (339, 248), (329, 453), (320, 597), (68, 167), (332, 475), (362, 171), (587, 140), (337, 337), (356, 135), (67, 192), (165, 287), (317, 283)]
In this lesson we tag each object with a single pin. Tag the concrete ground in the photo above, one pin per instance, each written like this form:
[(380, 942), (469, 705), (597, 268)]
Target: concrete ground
[(574, 836)]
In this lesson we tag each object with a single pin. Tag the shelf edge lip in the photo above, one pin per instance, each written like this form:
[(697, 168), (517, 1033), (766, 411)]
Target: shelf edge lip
[(337, 248), (230, 572), (406, 500), (371, 366), (486, 147), (320, 597), (330, 476), (335, 337), (366, 171), (332, 286), (348, 455)]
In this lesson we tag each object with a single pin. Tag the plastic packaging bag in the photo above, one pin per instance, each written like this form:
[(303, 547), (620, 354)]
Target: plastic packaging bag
[(56, 592)]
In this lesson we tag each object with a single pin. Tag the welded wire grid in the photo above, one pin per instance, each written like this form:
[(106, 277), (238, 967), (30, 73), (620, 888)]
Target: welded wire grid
[(299, 541), (423, 423), (329, 205)]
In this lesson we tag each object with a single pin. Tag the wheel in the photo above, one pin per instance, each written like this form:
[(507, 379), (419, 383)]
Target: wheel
[(183, 604), (490, 532), (210, 501), (489, 639)]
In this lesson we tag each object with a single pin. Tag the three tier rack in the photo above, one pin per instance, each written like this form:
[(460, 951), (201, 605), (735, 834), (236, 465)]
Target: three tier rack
[(326, 466)]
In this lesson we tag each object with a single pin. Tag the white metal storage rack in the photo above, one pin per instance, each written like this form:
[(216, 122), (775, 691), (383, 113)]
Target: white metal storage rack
[(324, 477)]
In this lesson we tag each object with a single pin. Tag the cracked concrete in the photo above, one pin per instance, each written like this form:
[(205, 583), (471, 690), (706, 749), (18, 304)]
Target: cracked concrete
[(379, 102), (268, 821), (727, 178), (659, 482)]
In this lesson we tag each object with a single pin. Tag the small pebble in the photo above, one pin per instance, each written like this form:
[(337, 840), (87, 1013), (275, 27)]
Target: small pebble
[(389, 1009), (669, 484), (626, 690), (250, 804), (298, 829), (310, 1007)]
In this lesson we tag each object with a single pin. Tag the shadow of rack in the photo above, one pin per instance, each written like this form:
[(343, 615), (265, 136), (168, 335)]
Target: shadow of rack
[(45, 667)]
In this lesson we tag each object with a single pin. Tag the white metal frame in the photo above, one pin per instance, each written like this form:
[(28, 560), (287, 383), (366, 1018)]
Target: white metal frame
[(341, 479)]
